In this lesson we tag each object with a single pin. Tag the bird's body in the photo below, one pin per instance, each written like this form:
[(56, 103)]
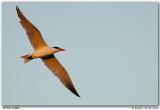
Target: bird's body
[(43, 51)]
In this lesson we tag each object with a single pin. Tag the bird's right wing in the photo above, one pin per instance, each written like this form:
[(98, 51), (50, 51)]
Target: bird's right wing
[(53, 64), (33, 33)]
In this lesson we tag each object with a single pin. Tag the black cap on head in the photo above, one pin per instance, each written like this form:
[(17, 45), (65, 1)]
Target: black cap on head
[(56, 47)]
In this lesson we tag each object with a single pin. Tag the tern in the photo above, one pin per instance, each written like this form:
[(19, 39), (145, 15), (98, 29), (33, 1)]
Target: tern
[(45, 52)]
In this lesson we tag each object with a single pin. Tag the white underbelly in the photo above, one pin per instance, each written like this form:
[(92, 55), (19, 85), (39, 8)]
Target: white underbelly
[(42, 53)]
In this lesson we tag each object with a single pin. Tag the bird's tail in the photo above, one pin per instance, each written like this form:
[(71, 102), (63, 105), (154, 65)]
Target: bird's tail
[(27, 58)]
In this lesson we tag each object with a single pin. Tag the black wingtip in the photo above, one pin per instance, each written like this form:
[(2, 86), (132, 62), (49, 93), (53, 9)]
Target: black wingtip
[(20, 14), (17, 8), (76, 93), (72, 89), (18, 11)]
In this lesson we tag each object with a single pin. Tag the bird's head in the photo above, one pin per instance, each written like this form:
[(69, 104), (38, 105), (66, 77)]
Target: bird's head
[(58, 49)]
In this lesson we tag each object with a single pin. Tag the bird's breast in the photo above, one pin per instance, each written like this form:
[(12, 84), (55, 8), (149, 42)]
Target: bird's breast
[(42, 53)]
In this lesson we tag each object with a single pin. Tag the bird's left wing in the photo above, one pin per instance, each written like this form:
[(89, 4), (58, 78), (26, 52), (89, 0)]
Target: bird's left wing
[(33, 33), (53, 64)]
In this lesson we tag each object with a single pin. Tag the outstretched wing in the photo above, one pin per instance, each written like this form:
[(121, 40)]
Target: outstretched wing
[(53, 64), (33, 33)]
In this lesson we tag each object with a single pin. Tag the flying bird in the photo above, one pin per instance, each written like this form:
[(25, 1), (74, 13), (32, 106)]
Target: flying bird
[(45, 52)]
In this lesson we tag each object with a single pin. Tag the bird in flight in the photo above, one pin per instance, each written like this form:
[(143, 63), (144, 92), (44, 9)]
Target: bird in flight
[(46, 53)]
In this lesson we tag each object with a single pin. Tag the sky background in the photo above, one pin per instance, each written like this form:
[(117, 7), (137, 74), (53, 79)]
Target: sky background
[(111, 53)]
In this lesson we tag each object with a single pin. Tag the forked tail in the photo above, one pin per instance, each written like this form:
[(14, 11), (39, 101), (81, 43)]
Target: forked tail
[(27, 58)]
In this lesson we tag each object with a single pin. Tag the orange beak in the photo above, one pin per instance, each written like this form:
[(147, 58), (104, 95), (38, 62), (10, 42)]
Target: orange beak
[(61, 49)]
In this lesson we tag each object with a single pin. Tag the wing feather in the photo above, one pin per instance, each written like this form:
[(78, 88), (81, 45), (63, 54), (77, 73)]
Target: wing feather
[(53, 64), (33, 33)]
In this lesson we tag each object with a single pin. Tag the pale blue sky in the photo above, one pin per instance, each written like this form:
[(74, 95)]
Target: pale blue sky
[(111, 53)]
